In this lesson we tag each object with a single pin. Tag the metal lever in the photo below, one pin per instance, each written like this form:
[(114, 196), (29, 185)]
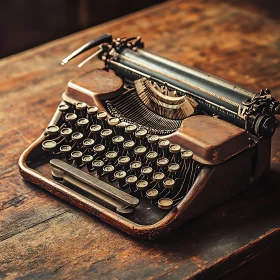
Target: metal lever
[(105, 38), (95, 183)]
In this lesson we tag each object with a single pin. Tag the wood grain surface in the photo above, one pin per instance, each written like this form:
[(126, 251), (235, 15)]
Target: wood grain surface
[(42, 237)]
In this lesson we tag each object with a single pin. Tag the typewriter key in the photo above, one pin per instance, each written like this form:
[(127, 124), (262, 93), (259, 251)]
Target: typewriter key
[(87, 160), (92, 110), (152, 139), (109, 170), (52, 130), (120, 177), (66, 132), (140, 150), (65, 149), (49, 145), (168, 183), (113, 121), (141, 133), (173, 167), (111, 156), (162, 162), (174, 148), (83, 122), (164, 144), (158, 177), (152, 194), (102, 115), (71, 117), (136, 166), (98, 166), (77, 157), (147, 171), (99, 149), (151, 156), (106, 133), (95, 128), (131, 128), (188, 154), (165, 203), (142, 185), (123, 161), (128, 145), (77, 136), (63, 108), (118, 142), (81, 106), (131, 180), (88, 143)]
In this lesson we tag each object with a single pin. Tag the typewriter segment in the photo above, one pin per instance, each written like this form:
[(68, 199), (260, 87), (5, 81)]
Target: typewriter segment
[(120, 165)]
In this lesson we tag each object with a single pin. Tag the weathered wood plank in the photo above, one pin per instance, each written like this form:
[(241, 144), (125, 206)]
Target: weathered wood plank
[(43, 237)]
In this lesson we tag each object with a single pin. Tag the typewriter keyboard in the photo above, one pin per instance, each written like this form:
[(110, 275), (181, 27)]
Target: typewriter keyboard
[(119, 165)]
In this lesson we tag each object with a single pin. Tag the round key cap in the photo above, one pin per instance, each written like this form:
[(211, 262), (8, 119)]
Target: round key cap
[(162, 162), (111, 156), (98, 166), (92, 110), (168, 183), (173, 167), (164, 144), (65, 149), (188, 154), (102, 115), (128, 145), (174, 148), (66, 132), (140, 150), (87, 159), (147, 171), (151, 156), (152, 139), (152, 194), (120, 174), (135, 165), (106, 133), (158, 176), (88, 143), (118, 140), (113, 121), (142, 185), (124, 160), (71, 117), (82, 122), (81, 106), (131, 128), (52, 129), (165, 203), (48, 145), (77, 136), (108, 169), (99, 149), (95, 128), (77, 156), (141, 133), (63, 108), (131, 179)]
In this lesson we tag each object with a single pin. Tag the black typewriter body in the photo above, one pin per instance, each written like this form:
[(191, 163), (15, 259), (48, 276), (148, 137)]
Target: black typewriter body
[(146, 143)]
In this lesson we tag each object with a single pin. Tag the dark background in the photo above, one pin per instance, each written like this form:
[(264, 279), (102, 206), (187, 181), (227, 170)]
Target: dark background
[(28, 23)]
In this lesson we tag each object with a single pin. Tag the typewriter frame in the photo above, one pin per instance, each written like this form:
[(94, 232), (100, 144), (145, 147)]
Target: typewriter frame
[(211, 187)]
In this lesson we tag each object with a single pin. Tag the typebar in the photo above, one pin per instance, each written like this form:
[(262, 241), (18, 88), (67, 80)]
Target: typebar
[(95, 183)]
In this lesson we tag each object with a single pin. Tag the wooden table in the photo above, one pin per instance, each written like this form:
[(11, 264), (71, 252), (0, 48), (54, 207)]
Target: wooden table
[(43, 237)]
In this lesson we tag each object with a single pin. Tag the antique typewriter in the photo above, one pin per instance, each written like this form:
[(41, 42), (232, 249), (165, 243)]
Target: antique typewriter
[(146, 143)]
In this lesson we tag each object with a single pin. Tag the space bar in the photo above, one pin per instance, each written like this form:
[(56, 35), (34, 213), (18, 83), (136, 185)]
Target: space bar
[(92, 181)]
